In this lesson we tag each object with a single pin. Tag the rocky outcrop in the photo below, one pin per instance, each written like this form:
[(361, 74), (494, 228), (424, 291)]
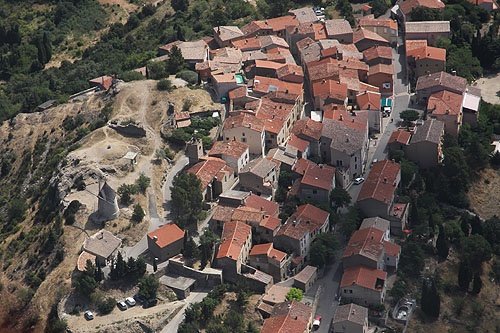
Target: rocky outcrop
[(128, 129)]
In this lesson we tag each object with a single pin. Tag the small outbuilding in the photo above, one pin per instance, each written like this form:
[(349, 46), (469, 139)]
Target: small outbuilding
[(306, 278), (104, 245), (166, 242), (181, 285)]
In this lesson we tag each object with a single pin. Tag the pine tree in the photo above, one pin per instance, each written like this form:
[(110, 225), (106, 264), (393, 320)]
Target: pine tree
[(99, 275), (464, 275), (477, 284), (430, 299), (442, 243)]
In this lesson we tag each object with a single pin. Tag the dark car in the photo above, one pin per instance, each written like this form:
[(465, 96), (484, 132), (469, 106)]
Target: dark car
[(140, 299), (150, 303)]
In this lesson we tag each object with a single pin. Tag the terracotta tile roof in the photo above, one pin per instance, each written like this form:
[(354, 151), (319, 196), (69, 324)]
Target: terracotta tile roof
[(411, 45), (207, 170), (381, 182), (266, 85), (224, 78), (229, 148), (351, 312), (337, 27), (363, 276), (350, 77), (274, 113), (304, 15), (234, 236), (271, 40), (297, 142), (259, 167), (249, 215), (305, 42), (308, 128), (330, 89), (223, 213), (105, 81), (227, 33), (330, 52), (261, 249), (366, 7), (289, 69), (247, 44), (402, 137), (323, 71), (378, 52), (427, 27), (371, 21), (276, 294), (367, 87), (288, 317), (270, 222), (392, 249), (319, 31), (443, 79), (305, 274), (267, 64), (368, 100), (381, 68), (166, 235), (238, 93), (280, 23), (301, 223), (407, 6), (256, 26), (301, 166), (244, 120), (362, 33), (428, 52), (320, 176), (367, 242), (267, 206), (445, 102), (183, 115), (351, 51)]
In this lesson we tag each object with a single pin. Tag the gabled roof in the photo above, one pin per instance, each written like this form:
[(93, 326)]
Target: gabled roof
[(430, 131), (351, 312), (391, 249), (103, 244), (271, 40), (227, 33), (259, 167), (381, 68), (244, 120), (362, 33), (320, 176), (337, 27), (288, 317), (234, 236), (280, 23), (346, 136), (166, 235), (289, 69), (306, 219), (266, 85), (228, 148), (270, 222), (442, 79), (207, 170), (371, 21), (376, 222), (368, 100), (366, 242), (413, 44), (364, 277), (105, 81), (247, 44), (255, 26), (268, 250), (381, 182), (305, 274), (402, 137), (325, 70), (378, 52), (308, 128), (445, 102), (330, 89), (304, 15), (297, 142), (267, 206), (408, 5)]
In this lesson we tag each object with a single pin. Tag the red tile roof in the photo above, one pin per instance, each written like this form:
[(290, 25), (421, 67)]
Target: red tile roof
[(306, 219), (330, 89), (270, 222), (427, 52), (229, 148), (381, 182), (208, 169), (445, 102), (381, 68), (247, 44), (367, 87), (105, 81), (307, 127), (411, 45), (320, 176), (301, 166), (266, 85), (362, 33), (371, 21), (402, 137), (244, 120), (323, 71), (305, 274), (408, 5), (378, 52), (234, 236), (366, 242), (255, 26), (268, 250), (268, 207), (392, 249), (368, 100), (362, 276), (289, 69), (288, 317), (167, 234), (280, 23), (297, 142)]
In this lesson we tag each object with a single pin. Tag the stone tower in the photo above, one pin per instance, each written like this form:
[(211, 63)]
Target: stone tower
[(107, 206), (194, 150)]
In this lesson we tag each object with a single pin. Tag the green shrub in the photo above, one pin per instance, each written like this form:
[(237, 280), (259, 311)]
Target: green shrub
[(189, 76), (164, 85), (138, 214), (107, 305), (294, 294), (131, 76)]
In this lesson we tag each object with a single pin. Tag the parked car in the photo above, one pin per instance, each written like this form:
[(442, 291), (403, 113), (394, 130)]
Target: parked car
[(150, 303), (130, 301), (359, 180), (139, 298), (317, 322), (121, 305), (89, 315)]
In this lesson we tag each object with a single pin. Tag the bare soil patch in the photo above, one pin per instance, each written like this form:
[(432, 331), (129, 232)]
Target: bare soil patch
[(484, 194), (490, 88)]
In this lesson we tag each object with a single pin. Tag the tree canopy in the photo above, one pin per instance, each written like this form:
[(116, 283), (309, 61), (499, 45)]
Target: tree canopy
[(186, 199)]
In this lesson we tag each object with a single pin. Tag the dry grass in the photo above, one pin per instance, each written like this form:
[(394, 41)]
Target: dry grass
[(484, 194), (250, 312)]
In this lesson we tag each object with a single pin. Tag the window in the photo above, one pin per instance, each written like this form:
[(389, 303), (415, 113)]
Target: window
[(393, 32), (242, 133), (243, 139), (315, 192), (355, 166), (227, 139), (355, 158), (273, 136)]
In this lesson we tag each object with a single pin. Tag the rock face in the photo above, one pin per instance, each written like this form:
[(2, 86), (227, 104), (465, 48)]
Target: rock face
[(132, 130)]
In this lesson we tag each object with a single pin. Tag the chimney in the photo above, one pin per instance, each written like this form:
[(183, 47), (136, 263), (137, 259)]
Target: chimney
[(155, 238), (385, 180), (232, 124)]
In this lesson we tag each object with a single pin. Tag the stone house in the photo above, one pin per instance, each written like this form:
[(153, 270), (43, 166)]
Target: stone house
[(234, 249), (363, 285), (166, 242)]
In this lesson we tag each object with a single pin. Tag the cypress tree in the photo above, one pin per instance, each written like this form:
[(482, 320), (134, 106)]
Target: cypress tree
[(442, 243), (477, 283), (464, 275)]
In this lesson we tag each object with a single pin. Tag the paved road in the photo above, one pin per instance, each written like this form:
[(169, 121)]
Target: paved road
[(154, 220), (327, 304), (179, 317)]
